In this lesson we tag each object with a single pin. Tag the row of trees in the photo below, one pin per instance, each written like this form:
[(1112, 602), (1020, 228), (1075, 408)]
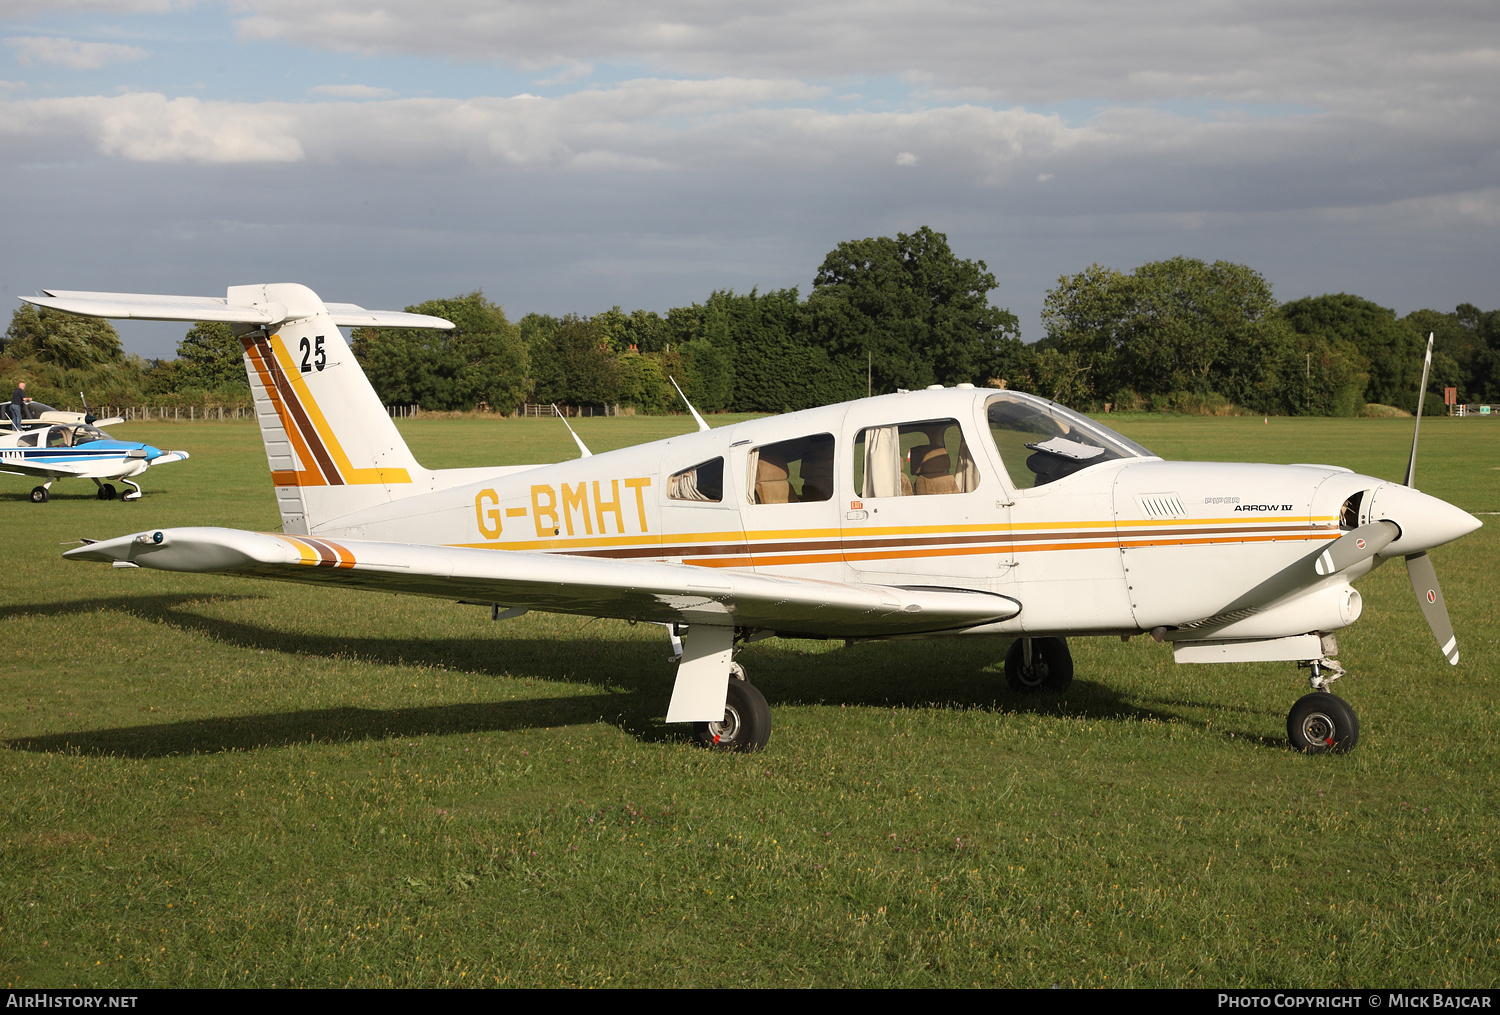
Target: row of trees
[(882, 314), (1188, 335)]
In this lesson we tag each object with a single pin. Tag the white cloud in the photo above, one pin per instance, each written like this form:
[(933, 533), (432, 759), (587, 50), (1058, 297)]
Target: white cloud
[(352, 91), (72, 53), (907, 159), (146, 127)]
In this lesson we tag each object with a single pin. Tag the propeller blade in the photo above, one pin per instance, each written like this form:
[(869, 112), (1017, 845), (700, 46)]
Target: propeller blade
[(1424, 583), (1411, 463), (1356, 545)]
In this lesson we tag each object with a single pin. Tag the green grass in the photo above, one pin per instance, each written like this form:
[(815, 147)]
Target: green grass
[(210, 781)]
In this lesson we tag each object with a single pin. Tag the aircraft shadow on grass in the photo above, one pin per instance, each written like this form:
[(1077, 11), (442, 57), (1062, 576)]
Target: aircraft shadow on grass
[(961, 674)]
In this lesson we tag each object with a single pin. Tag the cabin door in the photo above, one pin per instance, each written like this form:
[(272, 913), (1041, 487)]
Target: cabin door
[(922, 510)]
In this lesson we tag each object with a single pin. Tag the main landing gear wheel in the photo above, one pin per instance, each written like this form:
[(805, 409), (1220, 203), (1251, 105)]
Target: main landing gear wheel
[(1049, 668), (39, 495), (746, 725), (1322, 723), (106, 492)]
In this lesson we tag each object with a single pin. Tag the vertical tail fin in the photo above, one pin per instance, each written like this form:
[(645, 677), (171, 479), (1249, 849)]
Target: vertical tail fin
[(331, 446)]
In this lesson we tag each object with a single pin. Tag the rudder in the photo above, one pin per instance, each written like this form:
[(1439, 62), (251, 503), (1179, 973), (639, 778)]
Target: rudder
[(331, 447)]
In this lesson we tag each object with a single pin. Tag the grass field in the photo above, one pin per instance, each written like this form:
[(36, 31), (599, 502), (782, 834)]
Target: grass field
[(211, 781)]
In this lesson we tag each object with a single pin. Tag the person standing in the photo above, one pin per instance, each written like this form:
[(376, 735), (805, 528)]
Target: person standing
[(18, 401)]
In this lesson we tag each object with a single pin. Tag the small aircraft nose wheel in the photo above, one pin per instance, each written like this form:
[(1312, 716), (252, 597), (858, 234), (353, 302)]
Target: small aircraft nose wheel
[(1322, 723), (1043, 666), (106, 492), (746, 725), (39, 495)]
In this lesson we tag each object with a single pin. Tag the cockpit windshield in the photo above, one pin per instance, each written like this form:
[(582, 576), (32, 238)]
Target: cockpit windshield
[(1041, 442), (86, 434)]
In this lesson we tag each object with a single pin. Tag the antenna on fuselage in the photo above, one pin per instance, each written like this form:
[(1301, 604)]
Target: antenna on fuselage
[(576, 440), (701, 425), (1411, 463)]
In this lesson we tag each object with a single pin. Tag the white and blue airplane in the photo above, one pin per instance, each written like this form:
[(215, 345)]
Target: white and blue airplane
[(71, 445)]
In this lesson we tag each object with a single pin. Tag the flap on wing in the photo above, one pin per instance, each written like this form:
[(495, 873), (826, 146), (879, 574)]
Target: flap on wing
[(590, 586)]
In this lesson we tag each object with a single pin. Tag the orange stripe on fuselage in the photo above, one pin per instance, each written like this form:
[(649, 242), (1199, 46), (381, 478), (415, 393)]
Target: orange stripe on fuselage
[(817, 546)]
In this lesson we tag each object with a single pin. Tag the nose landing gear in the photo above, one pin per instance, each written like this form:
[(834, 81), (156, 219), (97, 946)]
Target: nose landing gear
[(1322, 722)]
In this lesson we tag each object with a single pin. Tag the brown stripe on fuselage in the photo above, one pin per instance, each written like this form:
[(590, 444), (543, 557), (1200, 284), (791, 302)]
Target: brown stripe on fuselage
[(868, 548)]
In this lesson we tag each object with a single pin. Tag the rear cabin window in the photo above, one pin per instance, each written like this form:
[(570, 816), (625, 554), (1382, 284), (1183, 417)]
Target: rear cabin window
[(792, 472), (703, 482), (913, 460)]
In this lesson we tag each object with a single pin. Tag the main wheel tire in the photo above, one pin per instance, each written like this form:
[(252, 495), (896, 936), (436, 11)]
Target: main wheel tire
[(746, 725), (39, 495), (1051, 669), (106, 492), (1322, 723)]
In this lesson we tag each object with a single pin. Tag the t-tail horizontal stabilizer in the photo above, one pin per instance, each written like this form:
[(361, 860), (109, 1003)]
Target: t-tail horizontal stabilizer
[(228, 310)]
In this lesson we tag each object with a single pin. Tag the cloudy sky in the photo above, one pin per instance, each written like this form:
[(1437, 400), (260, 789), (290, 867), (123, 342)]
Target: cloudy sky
[(576, 154)]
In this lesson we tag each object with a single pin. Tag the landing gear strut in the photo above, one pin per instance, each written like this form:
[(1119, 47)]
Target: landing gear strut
[(135, 491), (1039, 665)]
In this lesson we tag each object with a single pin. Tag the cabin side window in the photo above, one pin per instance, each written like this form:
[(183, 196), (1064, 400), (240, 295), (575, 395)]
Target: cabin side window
[(792, 472), (913, 460), (28, 441), (703, 482)]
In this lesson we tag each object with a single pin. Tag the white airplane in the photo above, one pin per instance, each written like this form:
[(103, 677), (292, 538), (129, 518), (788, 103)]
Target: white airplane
[(53, 445), (945, 513)]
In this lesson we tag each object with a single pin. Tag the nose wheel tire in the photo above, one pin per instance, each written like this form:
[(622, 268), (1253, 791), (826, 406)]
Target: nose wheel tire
[(1322, 723), (1049, 670), (39, 495), (746, 725), (106, 492)]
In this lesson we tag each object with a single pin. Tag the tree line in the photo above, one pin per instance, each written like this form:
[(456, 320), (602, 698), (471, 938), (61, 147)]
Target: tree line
[(882, 314)]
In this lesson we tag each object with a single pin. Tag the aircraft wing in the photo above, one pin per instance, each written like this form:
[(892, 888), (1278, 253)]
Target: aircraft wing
[(558, 583), (19, 467)]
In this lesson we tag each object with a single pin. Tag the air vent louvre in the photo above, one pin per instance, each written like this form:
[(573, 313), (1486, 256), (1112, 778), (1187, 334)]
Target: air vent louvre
[(1161, 505)]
